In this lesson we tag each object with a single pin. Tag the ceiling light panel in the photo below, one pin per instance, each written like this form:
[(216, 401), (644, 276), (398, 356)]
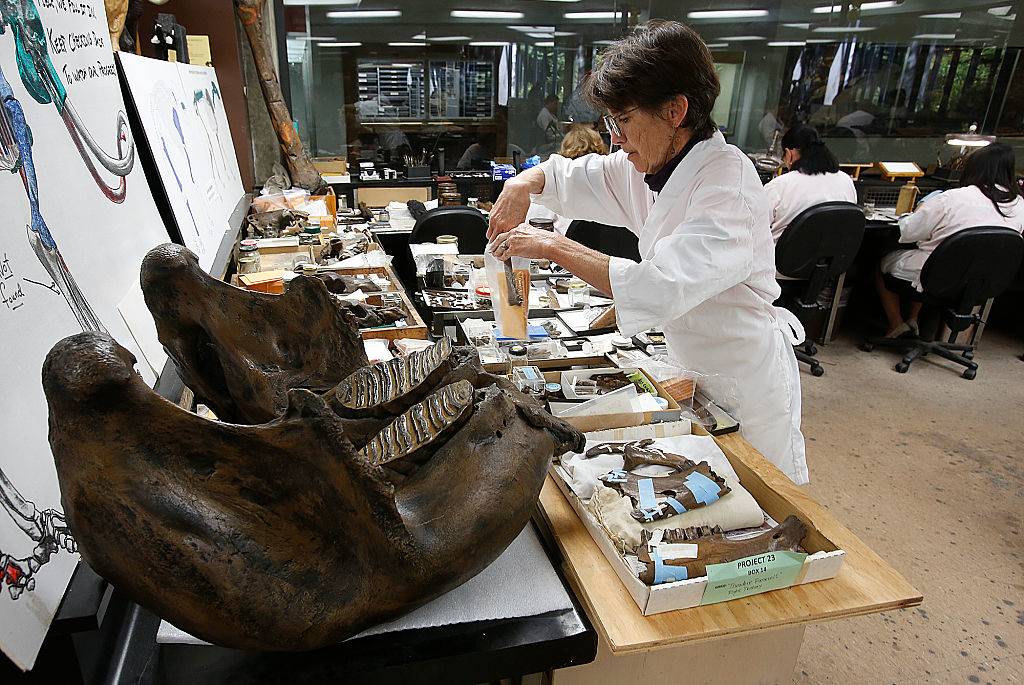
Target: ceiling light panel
[(485, 14), (615, 16), (364, 14), (727, 14)]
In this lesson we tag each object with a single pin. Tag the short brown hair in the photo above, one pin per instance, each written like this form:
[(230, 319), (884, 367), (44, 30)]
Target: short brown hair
[(582, 140), (660, 60)]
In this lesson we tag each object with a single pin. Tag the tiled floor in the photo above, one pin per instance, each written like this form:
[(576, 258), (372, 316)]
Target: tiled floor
[(928, 469)]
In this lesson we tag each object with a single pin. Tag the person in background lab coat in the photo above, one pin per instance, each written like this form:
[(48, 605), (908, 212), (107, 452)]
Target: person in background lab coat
[(580, 140), (988, 196), (708, 272), (814, 178)]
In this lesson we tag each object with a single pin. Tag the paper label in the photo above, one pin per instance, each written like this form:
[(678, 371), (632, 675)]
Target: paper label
[(752, 575), (683, 550)]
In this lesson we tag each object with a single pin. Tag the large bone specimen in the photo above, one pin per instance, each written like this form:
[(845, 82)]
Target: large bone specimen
[(283, 536), (300, 167), (241, 351), (713, 547)]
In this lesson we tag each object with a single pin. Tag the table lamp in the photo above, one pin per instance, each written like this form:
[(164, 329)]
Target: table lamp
[(966, 142), (892, 171)]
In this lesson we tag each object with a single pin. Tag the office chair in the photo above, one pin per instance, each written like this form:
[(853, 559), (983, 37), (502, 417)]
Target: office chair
[(465, 223), (964, 271), (817, 247), (613, 241)]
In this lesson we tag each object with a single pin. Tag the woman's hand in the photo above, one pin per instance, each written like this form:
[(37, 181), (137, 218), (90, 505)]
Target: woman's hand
[(525, 241), (512, 205), (509, 210)]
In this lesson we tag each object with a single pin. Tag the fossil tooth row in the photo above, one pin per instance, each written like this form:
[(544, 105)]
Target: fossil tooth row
[(386, 381), (421, 424)]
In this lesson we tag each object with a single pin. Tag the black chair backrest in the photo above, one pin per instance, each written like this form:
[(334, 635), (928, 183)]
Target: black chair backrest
[(971, 266), (465, 223), (819, 244), (614, 241)]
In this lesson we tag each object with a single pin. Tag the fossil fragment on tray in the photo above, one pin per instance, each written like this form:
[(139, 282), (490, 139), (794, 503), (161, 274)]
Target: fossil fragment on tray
[(372, 316), (638, 453), (659, 497), (281, 536), (276, 223), (423, 423), (240, 351), (686, 553), (337, 249), (340, 284)]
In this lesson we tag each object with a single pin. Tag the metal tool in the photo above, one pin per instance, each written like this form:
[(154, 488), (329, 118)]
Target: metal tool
[(514, 298)]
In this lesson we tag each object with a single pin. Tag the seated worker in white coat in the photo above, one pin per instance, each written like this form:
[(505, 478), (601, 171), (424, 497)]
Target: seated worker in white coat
[(708, 272), (988, 196), (580, 140), (814, 178)]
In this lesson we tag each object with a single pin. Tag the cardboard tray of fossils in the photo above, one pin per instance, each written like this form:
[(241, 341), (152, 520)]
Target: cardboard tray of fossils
[(331, 495), (664, 502)]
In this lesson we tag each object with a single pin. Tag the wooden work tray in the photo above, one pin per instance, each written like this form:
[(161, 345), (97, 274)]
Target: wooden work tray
[(865, 584)]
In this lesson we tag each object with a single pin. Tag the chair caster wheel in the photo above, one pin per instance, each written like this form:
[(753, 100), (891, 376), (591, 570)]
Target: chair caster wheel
[(817, 371), (813, 350), (902, 367), (970, 374), (968, 354), (866, 346)]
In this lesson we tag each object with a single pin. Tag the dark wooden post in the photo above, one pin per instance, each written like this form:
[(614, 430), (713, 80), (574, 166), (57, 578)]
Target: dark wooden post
[(301, 169)]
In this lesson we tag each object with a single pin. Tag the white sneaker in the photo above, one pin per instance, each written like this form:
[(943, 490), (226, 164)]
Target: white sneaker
[(899, 331)]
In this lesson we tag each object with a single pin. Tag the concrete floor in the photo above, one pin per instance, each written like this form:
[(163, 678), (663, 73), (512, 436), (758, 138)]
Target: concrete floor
[(927, 469)]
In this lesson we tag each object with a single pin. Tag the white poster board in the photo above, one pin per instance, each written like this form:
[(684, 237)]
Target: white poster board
[(182, 114), (78, 217)]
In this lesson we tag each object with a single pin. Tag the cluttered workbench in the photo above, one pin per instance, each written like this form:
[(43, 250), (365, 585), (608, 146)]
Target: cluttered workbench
[(572, 586)]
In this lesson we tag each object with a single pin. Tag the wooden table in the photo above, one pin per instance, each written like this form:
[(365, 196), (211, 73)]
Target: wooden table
[(751, 640)]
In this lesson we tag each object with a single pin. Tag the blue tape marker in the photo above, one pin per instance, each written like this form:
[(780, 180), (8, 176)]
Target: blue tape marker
[(649, 514), (703, 488), (617, 476), (647, 499), (675, 504), (664, 573)]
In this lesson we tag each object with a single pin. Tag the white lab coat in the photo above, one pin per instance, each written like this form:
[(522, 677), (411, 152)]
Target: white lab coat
[(941, 216), (707, 277), (792, 193)]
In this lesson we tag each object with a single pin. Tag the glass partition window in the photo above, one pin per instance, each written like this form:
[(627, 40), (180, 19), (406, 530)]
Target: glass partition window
[(487, 80), (389, 91)]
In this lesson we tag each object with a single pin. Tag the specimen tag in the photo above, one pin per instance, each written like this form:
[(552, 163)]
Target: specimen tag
[(752, 575)]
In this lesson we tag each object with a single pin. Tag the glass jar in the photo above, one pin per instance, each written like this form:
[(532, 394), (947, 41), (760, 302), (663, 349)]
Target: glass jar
[(579, 293), (248, 264)]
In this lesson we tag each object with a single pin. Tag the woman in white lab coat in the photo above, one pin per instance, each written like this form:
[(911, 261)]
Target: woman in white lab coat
[(708, 272), (814, 178), (988, 196)]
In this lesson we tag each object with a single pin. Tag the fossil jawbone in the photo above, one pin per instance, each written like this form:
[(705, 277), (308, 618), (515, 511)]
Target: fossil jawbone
[(279, 536), (241, 351)]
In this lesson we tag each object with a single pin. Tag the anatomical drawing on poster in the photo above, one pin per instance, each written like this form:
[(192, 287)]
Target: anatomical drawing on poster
[(77, 219)]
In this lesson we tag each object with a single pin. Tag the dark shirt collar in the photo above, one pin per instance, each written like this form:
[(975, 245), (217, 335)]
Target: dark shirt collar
[(657, 180)]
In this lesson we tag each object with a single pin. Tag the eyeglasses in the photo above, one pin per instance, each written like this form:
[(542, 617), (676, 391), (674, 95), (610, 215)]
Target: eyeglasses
[(612, 123)]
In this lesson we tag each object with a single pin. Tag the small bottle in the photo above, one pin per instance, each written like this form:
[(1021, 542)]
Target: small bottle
[(248, 251)]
